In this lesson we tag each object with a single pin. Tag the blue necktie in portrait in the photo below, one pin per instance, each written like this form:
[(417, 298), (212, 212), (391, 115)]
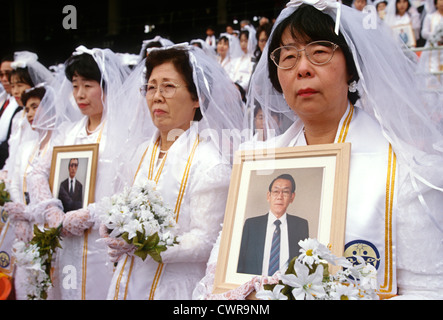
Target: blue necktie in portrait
[(71, 188), (274, 259)]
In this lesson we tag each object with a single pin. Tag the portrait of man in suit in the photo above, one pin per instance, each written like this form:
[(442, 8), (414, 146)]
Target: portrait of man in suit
[(71, 190), (270, 241)]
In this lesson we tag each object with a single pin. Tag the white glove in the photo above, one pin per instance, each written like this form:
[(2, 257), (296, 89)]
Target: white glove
[(23, 230), (54, 216), (16, 211), (116, 247), (76, 222)]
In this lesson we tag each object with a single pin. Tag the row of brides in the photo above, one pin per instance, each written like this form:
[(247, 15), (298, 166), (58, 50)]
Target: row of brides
[(177, 119)]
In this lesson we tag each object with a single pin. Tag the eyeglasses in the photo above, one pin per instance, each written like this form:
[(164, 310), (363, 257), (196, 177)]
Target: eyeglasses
[(317, 52), (167, 89), (285, 193)]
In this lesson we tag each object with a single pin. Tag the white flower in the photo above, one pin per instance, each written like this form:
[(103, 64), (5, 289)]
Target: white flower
[(117, 223), (366, 274), (313, 251), (306, 286), (139, 208), (132, 227), (275, 294), (28, 257), (357, 281), (344, 292)]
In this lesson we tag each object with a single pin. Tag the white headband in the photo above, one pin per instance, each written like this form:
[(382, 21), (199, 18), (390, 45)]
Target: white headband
[(320, 5)]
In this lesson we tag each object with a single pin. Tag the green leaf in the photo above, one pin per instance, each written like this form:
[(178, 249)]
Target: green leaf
[(155, 255), (152, 240), (269, 287), (4, 194), (143, 254), (291, 269)]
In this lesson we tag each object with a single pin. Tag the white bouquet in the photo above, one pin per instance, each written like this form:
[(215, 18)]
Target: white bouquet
[(139, 216), (36, 258), (308, 278)]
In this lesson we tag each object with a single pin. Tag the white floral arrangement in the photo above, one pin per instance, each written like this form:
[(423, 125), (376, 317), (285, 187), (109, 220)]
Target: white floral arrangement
[(436, 38), (308, 278), (139, 216), (35, 257)]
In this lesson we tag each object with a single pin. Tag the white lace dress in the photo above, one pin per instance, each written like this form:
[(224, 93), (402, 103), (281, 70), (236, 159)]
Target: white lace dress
[(82, 270)]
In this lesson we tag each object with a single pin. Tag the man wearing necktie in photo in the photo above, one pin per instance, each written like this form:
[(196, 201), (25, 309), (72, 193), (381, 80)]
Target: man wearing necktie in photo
[(71, 190), (270, 241)]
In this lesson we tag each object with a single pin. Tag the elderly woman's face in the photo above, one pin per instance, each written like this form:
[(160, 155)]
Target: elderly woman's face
[(175, 112), (312, 91)]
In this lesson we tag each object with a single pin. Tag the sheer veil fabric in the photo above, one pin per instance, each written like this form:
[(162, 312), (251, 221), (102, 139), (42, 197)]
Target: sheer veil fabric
[(220, 104), (390, 91), (399, 99), (211, 142)]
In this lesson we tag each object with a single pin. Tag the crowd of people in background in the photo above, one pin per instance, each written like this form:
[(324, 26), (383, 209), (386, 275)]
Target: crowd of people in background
[(224, 82)]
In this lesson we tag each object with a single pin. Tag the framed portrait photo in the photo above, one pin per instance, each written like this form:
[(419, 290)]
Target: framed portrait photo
[(306, 187), (73, 174), (406, 34)]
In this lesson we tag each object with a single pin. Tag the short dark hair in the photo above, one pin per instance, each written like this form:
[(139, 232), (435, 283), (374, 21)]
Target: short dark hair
[(284, 176), (267, 29), (245, 32), (85, 66), (69, 163), (180, 59), (7, 58), (409, 5), (310, 24), (38, 92), (224, 39), (23, 75), (154, 44)]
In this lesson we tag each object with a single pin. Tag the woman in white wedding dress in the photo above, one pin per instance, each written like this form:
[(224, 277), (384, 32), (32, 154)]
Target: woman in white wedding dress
[(87, 113), (335, 82), (191, 104), (431, 61)]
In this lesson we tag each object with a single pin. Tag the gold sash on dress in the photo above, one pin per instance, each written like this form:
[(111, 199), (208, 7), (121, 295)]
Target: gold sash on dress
[(386, 288), (152, 175), (85, 241)]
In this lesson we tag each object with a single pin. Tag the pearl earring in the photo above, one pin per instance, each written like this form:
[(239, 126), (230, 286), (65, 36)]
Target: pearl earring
[(353, 86)]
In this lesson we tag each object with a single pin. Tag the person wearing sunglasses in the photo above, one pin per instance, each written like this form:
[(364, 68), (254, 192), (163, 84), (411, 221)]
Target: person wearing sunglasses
[(71, 190)]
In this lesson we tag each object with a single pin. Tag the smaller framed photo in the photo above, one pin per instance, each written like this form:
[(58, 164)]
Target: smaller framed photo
[(305, 188), (406, 34), (73, 174)]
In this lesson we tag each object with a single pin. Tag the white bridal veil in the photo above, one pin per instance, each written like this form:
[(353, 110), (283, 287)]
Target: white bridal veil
[(390, 91)]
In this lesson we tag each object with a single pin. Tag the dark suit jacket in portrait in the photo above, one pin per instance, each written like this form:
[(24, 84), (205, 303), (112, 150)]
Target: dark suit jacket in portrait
[(69, 202), (253, 241)]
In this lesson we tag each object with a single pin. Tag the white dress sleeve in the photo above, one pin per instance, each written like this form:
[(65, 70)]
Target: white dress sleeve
[(206, 202), (419, 246), (426, 28), (204, 288), (39, 190)]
